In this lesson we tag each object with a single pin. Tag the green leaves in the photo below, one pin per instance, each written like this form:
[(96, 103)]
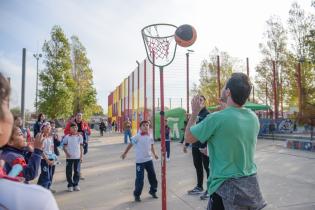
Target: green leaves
[(67, 80)]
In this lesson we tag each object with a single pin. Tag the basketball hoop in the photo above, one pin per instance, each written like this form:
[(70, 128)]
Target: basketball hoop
[(159, 42)]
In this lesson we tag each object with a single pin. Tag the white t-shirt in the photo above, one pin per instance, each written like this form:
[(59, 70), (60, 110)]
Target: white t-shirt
[(20, 196), (49, 147), (142, 147), (73, 143)]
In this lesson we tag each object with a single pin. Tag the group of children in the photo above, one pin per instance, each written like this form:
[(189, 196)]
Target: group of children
[(23, 158)]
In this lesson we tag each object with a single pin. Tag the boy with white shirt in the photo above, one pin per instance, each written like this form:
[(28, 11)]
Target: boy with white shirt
[(143, 143), (73, 148)]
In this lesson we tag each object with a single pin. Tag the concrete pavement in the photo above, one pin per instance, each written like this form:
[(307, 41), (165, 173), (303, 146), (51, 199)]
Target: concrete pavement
[(287, 178)]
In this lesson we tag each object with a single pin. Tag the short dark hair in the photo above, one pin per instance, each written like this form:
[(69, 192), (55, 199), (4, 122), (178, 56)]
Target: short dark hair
[(143, 121), (73, 124), (204, 98), (4, 92), (240, 87)]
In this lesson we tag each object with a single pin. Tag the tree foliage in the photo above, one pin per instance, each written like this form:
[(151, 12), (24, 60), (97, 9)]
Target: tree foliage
[(56, 96), (208, 74), (85, 93)]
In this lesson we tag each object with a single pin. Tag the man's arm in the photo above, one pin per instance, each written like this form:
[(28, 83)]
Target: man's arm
[(195, 107), (189, 138)]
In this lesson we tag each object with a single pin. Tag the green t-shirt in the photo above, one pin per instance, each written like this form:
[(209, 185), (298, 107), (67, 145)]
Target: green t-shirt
[(231, 136)]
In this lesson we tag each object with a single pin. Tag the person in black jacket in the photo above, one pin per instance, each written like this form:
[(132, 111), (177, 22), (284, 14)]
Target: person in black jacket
[(38, 124), (201, 161)]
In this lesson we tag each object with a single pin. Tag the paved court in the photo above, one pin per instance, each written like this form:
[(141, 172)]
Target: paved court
[(287, 178)]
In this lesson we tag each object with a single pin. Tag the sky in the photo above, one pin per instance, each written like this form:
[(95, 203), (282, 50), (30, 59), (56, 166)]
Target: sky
[(110, 31)]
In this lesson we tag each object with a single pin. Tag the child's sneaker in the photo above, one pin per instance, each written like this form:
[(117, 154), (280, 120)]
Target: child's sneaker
[(77, 188), (70, 189), (205, 196), (137, 199), (153, 195)]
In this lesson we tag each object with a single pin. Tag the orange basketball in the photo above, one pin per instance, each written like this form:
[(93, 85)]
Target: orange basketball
[(185, 35)]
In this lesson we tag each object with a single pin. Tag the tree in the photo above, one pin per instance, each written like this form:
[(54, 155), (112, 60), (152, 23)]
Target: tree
[(56, 96), (208, 74), (274, 49), (302, 27), (85, 93)]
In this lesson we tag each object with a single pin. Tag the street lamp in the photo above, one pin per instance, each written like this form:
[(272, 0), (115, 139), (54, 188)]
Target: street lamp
[(187, 77), (37, 56)]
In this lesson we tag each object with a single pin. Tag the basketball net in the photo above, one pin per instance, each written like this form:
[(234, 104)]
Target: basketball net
[(160, 43), (160, 46)]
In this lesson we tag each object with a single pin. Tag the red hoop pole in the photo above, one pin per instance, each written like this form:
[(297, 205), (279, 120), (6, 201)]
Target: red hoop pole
[(145, 90), (153, 95), (163, 161)]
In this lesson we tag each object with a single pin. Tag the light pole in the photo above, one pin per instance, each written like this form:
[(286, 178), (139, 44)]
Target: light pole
[(37, 56), (187, 77)]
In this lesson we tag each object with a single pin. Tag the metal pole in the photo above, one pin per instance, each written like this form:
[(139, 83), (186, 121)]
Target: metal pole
[(218, 76), (299, 84), (170, 103), (247, 66), (187, 81), (23, 87), (275, 90), (153, 94), (181, 102), (247, 69), (145, 90), (253, 94), (138, 97), (281, 96), (163, 159)]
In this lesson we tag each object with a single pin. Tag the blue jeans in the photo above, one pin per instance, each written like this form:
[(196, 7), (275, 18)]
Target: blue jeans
[(75, 165), (127, 133), (168, 148), (148, 166), (46, 175)]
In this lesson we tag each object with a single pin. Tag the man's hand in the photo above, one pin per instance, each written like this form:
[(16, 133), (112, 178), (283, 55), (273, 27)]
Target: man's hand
[(204, 151), (38, 143), (156, 157), (196, 105), (81, 159), (123, 156)]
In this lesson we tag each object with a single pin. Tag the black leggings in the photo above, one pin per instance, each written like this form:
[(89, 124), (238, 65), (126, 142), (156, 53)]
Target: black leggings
[(201, 162)]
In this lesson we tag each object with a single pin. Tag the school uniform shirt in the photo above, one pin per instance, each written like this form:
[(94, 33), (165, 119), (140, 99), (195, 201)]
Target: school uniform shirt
[(48, 147), (21, 196), (73, 143), (142, 144)]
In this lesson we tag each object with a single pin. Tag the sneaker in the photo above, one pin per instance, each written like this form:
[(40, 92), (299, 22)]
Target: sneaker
[(205, 196), (77, 188), (70, 189), (153, 195), (195, 191), (168, 159), (137, 199), (52, 191)]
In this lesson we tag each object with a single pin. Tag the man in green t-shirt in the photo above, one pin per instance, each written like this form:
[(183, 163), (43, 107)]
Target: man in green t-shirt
[(231, 136)]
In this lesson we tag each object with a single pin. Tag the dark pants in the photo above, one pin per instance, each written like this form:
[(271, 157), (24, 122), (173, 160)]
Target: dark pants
[(85, 147), (148, 166), (215, 202), (201, 162), (102, 132), (127, 133), (73, 164), (168, 148), (46, 175)]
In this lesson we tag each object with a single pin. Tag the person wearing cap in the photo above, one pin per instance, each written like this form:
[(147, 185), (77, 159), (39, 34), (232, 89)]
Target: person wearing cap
[(48, 157)]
